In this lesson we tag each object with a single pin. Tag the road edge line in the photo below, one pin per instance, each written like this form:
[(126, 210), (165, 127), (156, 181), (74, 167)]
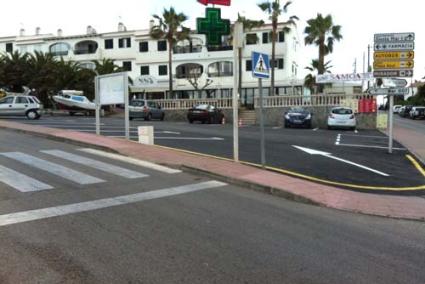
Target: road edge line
[(416, 164)]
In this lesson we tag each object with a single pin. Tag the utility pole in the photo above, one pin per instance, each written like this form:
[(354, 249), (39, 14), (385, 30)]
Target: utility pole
[(368, 63)]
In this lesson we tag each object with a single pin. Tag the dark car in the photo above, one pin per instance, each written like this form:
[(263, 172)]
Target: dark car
[(205, 114), (404, 111), (146, 110), (417, 113), (297, 117)]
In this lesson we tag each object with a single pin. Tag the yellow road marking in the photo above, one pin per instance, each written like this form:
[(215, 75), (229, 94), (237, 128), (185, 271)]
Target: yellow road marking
[(416, 164), (306, 177)]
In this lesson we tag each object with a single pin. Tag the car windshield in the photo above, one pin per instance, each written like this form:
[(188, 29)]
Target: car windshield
[(138, 103), (297, 110), (342, 111)]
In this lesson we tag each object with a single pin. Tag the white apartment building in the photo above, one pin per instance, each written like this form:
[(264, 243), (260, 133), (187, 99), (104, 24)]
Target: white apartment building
[(146, 60)]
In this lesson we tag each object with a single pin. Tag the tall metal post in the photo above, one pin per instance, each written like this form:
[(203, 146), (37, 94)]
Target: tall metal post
[(368, 63), (97, 104), (262, 135), (237, 44), (390, 124), (127, 111)]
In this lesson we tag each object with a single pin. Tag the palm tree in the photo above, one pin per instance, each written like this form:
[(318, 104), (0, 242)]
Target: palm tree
[(275, 10), (247, 26), (170, 27), (106, 66), (13, 73), (323, 33), (310, 79)]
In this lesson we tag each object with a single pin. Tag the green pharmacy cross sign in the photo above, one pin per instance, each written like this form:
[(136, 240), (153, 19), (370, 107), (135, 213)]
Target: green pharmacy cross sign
[(213, 26)]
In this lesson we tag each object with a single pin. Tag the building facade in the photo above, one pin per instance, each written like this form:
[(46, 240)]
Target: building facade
[(200, 71)]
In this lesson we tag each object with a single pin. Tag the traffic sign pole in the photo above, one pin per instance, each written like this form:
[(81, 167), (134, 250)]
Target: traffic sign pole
[(263, 139), (390, 127)]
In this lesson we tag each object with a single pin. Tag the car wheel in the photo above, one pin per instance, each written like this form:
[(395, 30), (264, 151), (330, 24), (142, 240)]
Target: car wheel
[(71, 113), (162, 117), (190, 121), (32, 114), (130, 118), (149, 117), (329, 127)]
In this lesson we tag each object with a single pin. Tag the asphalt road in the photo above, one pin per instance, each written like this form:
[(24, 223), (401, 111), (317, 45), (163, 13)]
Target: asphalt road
[(358, 158), (221, 234)]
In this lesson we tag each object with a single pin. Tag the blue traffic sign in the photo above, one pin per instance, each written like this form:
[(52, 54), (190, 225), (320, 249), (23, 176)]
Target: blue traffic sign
[(260, 65)]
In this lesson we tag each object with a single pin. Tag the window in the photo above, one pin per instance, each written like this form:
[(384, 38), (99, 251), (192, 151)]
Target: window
[(124, 42), (251, 39), (190, 69), (267, 37), (59, 49), (126, 65), (109, 43), (38, 47), (248, 65), (86, 47), (162, 45), (281, 36), (144, 46), (278, 63), (9, 47), (8, 100), (144, 70), (220, 69), (162, 70), (21, 100)]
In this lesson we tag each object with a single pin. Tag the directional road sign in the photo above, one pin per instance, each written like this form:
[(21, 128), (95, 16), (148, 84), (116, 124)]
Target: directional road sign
[(394, 82), (388, 91), (394, 55), (260, 65), (397, 46), (393, 73), (379, 65), (394, 37)]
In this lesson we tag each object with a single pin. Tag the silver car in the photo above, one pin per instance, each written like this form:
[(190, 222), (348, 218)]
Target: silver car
[(146, 109), (28, 106)]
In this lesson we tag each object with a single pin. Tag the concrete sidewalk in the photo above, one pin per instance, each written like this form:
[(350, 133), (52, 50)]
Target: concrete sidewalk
[(404, 207)]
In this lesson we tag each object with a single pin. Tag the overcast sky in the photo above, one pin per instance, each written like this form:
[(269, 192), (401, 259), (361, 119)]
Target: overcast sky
[(359, 19)]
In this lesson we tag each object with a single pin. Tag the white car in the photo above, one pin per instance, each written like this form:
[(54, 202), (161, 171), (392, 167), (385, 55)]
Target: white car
[(342, 117), (396, 108)]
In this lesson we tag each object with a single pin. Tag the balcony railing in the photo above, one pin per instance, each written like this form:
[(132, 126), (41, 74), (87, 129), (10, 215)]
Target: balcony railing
[(184, 104), (306, 101)]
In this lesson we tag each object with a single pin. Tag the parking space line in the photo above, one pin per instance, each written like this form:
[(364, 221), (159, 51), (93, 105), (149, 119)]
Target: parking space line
[(55, 169), (108, 168), (133, 161), (369, 146), (368, 136), (39, 214), (20, 181)]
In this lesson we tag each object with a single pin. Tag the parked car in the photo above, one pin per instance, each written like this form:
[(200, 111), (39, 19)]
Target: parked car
[(417, 113), (405, 111), (205, 113), (396, 108), (145, 109), (297, 117), (342, 117), (28, 106)]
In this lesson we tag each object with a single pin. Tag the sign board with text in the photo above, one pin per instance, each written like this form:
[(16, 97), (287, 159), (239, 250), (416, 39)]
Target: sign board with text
[(388, 91), (350, 77), (394, 55)]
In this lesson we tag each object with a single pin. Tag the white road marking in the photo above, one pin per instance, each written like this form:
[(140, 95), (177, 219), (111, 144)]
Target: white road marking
[(189, 138), (53, 168), (21, 182), (133, 161), (111, 169), (39, 214), (329, 155), (168, 132), (367, 136), (369, 146), (315, 129)]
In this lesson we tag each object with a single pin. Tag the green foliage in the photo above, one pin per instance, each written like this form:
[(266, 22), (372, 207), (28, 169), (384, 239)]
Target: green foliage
[(419, 98), (310, 79), (47, 75)]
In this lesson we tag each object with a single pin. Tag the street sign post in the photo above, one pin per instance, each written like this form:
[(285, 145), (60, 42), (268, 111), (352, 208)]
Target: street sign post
[(261, 70), (394, 57)]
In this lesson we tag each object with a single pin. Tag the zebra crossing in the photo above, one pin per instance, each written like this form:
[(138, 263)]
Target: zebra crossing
[(23, 182)]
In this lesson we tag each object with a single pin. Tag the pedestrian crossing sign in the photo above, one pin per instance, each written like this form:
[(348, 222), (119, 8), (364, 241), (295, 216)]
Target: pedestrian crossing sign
[(260, 65)]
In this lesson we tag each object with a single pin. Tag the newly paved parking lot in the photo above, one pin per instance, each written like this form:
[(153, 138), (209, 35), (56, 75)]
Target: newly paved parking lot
[(352, 159)]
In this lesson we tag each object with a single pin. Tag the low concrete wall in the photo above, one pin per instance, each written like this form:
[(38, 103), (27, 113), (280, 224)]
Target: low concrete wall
[(274, 116), (181, 115)]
